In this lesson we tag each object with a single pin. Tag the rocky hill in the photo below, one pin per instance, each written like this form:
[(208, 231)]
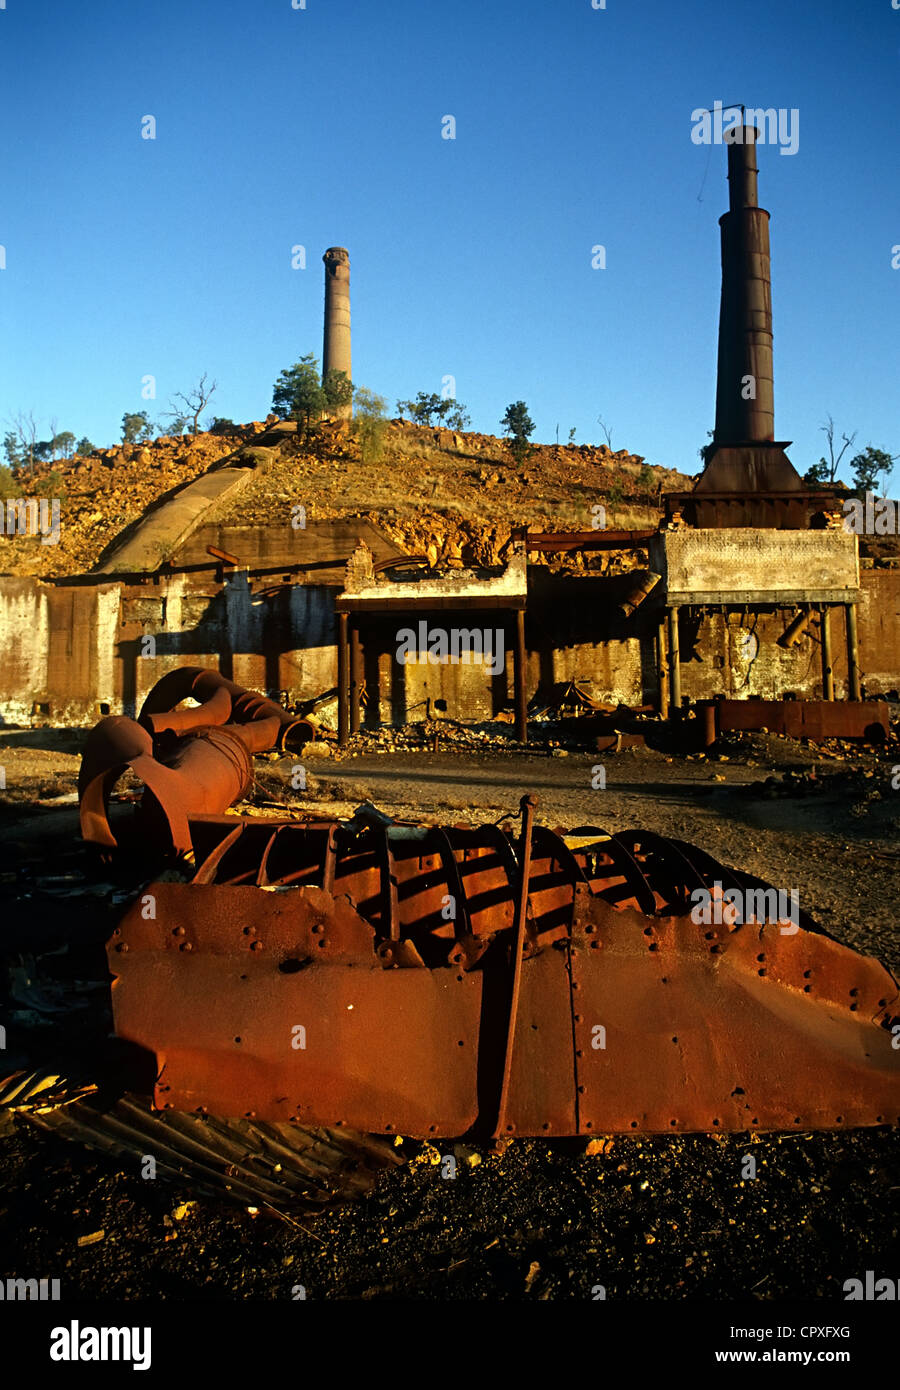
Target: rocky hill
[(433, 491)]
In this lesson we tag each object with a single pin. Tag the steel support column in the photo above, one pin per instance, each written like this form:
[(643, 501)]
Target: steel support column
[(343, 679), (519, 678), (355, 676), (827, 668), (853, 682), (674, 661), (662, 669)]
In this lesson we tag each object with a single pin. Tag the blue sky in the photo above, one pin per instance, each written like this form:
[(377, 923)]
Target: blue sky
[(470, 257)]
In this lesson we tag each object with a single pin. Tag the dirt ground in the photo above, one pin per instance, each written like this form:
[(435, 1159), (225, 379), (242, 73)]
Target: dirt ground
[(668, 1218)]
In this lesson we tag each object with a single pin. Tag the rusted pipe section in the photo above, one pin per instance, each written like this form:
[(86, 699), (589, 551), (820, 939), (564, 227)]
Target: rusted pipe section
[(211, 688), (635, 596), (214, 710), (183, 776), (795, 629), (192, 762), (114, 745), (203, 776)]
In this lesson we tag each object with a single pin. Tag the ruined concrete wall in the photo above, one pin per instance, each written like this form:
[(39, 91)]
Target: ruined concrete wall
[(58, 644), (278, 639), (719, 564), (24, 626), (742, 659), (74, 652), (878, 619)]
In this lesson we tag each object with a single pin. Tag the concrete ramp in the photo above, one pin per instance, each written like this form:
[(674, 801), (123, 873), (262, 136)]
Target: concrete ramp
[(159, 533)]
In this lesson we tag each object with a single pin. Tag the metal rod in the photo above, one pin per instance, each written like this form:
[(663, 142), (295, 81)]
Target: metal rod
[(855, 689), (330, 859), (343, 679), (827, 668), (674, 661), (390, 914), (528, 804), (519, 678)]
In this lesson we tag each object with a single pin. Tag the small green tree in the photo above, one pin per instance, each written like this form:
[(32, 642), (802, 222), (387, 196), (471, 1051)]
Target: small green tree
[(431, 409), (518, 426), (298, 394), (866, 469), (63, 443), (84, 446), (646, 478), (12, 448), (423, 409), (457, 417), (369, 423), (615, 495), (136, 426), (337, 389), (8, 485)]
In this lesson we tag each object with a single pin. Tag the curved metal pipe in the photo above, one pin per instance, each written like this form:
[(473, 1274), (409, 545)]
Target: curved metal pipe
[(214, 710)]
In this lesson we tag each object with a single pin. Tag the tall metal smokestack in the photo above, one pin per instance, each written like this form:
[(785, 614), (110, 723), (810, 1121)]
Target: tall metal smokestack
[(745, 402), (745, 460), (336, 347)]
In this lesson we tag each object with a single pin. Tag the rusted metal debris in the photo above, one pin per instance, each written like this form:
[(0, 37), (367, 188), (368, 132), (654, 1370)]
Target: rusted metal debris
[(191, 761), (449, 981), (41, 1090), (556, 542), (282, 1169), (815, 719), (455, 981)]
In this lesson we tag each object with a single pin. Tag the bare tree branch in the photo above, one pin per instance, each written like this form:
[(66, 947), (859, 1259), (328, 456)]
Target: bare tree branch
[(193, 402), (832, 463)]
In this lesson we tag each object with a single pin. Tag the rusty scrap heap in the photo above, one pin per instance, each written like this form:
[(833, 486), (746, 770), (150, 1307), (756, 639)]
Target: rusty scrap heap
[(450, 981)]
